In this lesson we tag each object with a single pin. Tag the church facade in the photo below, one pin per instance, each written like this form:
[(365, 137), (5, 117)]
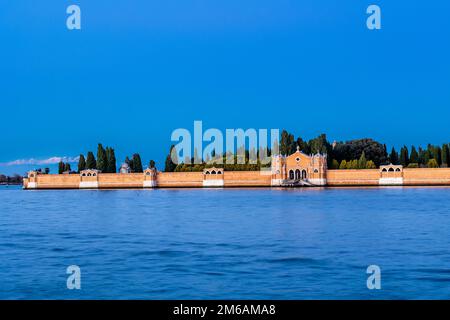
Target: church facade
[(299, 169)]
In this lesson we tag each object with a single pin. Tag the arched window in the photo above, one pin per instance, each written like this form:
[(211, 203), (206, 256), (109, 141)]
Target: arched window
[(391, 170), (384, 170), (94, 174), (316, 171), (291, 174), (398, 169), (83, 174), (213, 172), (219, 172), (297, 174), (206, 172), (304, 175), (89, 174)]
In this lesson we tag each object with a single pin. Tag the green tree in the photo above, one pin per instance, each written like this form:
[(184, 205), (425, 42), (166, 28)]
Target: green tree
[(445, 155), (352, 164), (414, 156), (370, 165), (67, 167), (362, 162), (60, 167), (343, 164), (137, 163), (404, 156), (172, 160), (320, 145), (393, 157), (90, 161), (101, 158), (353, 149), (130, 164), (81, 163), (287, 144), (152, 164), (437, 154), (334, 164), (432, 163), (303, 145), (111, 160)]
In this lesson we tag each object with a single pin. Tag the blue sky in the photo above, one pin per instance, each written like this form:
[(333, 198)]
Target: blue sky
[(139, 69)]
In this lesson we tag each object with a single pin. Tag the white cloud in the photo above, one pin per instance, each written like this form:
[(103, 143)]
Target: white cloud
[(32, 161)]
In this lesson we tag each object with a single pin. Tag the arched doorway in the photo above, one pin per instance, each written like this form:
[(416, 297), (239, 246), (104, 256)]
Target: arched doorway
[(304, 175), (297, 174), (291, 174)]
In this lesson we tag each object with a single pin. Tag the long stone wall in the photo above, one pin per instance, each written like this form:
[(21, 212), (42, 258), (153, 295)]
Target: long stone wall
[(246, 179), (426, 176), (151, 179), (353, 177), (179, 179)]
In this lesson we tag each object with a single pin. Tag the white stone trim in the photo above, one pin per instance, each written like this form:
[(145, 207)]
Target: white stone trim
[(391, 181), (88, 184), (149, 184), (276, 182), (31, 185), (318, 182), (213, 183)]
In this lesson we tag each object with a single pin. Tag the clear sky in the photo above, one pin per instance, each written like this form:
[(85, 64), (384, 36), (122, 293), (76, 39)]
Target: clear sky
[(139, 69)]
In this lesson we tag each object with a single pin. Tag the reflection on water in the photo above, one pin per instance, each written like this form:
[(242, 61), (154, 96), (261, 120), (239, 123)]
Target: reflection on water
[(232, 243)]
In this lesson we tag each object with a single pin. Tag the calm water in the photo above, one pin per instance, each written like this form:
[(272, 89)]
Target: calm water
[(234, 243)]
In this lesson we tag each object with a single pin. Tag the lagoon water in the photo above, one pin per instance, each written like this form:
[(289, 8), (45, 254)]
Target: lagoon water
[(225, 243)]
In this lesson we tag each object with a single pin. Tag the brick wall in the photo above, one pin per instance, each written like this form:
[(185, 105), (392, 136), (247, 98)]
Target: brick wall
[(353, 177), (246, 179)]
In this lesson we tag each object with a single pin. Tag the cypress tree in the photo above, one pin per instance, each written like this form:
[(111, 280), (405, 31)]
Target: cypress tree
[(111, 160), (421, 157), (137, 163), (67, 167), (445, 155), (172, 160), (427, 156), (101, 158), (404, 158), (393, 157), (151, 164), (60, 167), (385, 153), (90, 161), (414, 156), (437, 154), (362, 162), (130, 164), (81, 163)]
